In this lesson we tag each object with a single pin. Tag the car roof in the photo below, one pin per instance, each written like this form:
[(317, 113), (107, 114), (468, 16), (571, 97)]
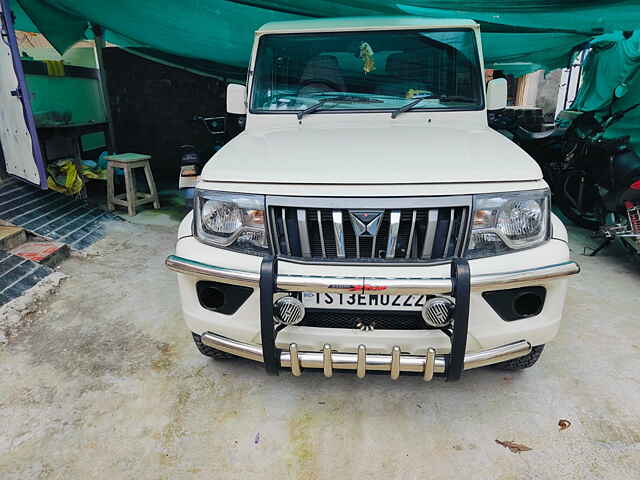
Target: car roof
[(346, 24)]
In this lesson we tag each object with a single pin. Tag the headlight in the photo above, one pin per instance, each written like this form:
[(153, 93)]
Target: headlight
[(231, 220), (508, 221)]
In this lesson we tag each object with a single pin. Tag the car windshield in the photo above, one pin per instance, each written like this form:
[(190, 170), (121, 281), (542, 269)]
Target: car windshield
[(373, 70)]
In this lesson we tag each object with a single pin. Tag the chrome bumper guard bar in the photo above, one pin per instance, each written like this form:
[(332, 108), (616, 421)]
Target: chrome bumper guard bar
[(428, 365), (458, 285), (369, 285)]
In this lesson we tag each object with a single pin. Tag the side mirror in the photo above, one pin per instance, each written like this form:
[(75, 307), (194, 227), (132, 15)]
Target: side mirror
[(236, 95), (497, 94)]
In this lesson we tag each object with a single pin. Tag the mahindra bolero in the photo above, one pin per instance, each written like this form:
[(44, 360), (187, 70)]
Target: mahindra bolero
[(367, 218)]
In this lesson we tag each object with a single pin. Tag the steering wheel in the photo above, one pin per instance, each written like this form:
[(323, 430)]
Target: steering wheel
[(331, 86)]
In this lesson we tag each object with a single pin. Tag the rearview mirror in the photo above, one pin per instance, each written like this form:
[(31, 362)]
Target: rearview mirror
[(497, 94), (236, 95)]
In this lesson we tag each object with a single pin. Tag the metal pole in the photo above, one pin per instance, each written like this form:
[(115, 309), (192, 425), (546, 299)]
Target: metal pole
[(582, 55), (102, 75)]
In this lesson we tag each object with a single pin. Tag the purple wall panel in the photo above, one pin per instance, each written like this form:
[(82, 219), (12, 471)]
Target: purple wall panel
[(7, 21)]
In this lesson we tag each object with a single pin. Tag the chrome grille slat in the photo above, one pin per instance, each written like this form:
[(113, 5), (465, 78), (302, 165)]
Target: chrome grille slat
[(449, 230), (432, 224), (286, 233), (303, 231), (338, 230), (394, 227), (413, 228), (324, 250), (274, 229), (422, 229), (461, 233)]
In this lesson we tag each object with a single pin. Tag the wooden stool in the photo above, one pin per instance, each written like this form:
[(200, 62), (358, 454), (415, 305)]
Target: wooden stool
[(131, 198)]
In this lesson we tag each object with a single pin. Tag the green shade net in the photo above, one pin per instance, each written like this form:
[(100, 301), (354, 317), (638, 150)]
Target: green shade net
[(214, 30), (61, 30), (518, 36), (613, 61)]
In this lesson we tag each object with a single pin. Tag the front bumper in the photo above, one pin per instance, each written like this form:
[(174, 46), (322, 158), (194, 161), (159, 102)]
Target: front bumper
[(458, 283)]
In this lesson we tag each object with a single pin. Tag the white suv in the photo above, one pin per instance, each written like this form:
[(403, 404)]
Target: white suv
[(368, 219)]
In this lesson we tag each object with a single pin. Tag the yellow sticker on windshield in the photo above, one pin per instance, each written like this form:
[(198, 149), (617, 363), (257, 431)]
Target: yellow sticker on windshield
[(412, 92), (366, 54)]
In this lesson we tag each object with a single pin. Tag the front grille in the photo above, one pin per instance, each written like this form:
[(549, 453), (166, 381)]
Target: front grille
[(359, 319), (433, 228)]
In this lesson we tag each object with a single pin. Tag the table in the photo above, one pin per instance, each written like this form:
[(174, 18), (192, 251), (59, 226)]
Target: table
[(72, 132)]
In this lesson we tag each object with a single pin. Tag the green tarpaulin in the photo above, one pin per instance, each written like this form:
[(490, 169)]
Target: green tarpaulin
[(613, 61), (518, 36)]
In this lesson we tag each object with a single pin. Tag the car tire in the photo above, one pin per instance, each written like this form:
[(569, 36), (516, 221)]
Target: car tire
[(522, 362), (210, 352)]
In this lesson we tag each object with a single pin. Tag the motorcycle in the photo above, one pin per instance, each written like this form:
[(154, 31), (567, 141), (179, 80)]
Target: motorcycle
[(595, 181), (545, 147), (192, 163), (599, 185)]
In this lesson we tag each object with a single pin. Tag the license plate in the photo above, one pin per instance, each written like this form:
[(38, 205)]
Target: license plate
[(363, 302)]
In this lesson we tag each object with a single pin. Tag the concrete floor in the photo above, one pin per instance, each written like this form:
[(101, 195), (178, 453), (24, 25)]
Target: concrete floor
[(103, 381)]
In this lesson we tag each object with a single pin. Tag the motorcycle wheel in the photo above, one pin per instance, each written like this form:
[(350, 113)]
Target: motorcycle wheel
[(578, 199)]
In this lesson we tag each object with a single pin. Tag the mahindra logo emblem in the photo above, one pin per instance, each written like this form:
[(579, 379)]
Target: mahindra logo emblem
[(366, 223)]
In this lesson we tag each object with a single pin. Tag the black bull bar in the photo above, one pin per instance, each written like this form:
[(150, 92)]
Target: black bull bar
[(454, 362)]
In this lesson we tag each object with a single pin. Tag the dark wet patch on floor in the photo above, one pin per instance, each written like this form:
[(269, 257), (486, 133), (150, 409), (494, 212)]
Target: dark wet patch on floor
[(173, 204)]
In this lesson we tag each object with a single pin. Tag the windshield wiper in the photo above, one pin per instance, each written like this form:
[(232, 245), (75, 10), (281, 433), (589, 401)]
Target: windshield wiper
[(313, 108), (408, 106), (443, 99), (346, 99)]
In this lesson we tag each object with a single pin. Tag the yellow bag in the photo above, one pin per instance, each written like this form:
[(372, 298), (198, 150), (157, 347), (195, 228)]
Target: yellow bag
[(96, 174), (72, 183)]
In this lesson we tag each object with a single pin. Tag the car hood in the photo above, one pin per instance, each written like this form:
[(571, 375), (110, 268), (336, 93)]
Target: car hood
[(374, 155)]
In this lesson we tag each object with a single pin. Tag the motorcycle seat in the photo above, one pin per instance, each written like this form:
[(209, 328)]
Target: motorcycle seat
[(527, 135)]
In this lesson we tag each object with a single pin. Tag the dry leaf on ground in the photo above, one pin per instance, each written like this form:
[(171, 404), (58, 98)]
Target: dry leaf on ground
[(513, 446), (564, 424)]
